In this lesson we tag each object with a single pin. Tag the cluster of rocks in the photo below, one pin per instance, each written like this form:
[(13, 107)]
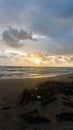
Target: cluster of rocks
[(45, 93), (42, 93)]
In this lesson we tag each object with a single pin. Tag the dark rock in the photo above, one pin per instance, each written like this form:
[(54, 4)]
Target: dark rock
[(25, 97), (6, 108), (68, 103), (49, 100), (34, 117), (65, 116)]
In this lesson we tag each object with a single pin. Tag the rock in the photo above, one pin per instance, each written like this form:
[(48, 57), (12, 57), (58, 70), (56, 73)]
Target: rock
[(6, 108), (65, 116), (34, 117)]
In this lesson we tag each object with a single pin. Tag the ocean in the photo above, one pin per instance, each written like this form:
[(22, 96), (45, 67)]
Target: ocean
[(15, 72)]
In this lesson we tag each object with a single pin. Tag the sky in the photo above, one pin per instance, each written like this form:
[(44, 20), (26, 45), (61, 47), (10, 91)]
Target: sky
[(36, 32)]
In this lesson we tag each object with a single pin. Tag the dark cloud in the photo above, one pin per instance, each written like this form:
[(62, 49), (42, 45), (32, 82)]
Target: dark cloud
[(13, 36), (3, 57)]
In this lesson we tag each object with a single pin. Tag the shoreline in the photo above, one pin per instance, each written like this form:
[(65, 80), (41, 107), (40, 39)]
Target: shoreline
[(37, 77)]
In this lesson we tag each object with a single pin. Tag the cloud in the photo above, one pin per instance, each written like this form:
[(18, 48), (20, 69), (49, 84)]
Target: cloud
[(12, 36), (12, 57), (53, 19), (60, 60)]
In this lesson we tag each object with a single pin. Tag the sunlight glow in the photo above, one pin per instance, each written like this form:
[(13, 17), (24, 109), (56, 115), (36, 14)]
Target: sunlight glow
[(37, 61)]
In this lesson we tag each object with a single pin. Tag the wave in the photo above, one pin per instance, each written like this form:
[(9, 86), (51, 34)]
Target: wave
[(12, 72)]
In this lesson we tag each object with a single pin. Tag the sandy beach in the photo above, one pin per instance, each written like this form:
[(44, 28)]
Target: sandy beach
[(10, 111)]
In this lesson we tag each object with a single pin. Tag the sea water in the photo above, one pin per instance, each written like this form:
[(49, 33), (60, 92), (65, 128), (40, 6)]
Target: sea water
[(14, 72)]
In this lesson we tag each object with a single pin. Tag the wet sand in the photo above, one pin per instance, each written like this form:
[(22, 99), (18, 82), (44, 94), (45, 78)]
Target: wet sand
[(10, 111)]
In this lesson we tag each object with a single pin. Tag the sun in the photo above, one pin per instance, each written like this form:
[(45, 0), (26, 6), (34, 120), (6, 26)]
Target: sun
[(37, 61)]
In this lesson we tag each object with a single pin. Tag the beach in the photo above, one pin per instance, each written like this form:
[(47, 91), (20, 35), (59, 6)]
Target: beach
[(11, 109)]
